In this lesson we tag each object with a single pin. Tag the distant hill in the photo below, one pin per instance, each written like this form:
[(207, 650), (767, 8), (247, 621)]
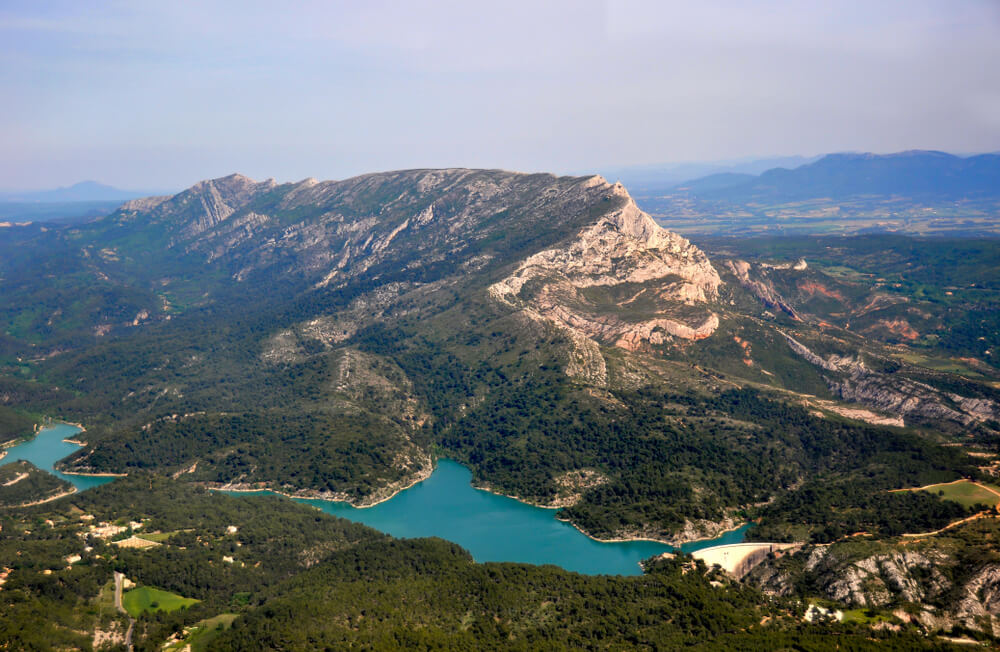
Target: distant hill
[(652, 179), (719, 181), (915, 174), (78, 192), (80, 202), (917, 192)]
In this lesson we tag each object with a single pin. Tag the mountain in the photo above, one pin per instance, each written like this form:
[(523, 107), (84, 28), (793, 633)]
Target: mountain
[(84, 191), (913, 174), (654, 179), (331, 339), (534, 327), (915, 192)]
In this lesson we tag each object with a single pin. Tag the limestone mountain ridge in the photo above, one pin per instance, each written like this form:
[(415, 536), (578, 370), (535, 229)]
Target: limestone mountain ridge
[(329, 234), (329, 336)]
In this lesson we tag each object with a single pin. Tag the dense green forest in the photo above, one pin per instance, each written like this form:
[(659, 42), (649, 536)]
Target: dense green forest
[(22, 482), (669, 458), (14, 425), (322, 452), (301, 580)]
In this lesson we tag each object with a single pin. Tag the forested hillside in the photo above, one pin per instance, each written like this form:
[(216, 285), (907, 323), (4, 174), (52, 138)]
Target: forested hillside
[(284, 576)]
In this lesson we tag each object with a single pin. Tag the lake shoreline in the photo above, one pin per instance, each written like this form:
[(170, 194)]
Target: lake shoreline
[(17, 441), (53, 441), (63, 494), (525, 501), (426, 470), (672, 544), (93, 475), (424, 475), (364, 503)]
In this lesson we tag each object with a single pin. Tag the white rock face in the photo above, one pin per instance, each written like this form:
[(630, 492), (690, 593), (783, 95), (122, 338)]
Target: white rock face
[(626, 246), (586, 361), (854, 382), (659, 282), (980, 600), (219, 199), (760, 288)]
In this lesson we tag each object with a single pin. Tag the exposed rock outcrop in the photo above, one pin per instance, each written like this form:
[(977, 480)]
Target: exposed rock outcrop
[(761, 289), (623, 281), (980, 600), (585, 360), (852, 381), (934, 574)]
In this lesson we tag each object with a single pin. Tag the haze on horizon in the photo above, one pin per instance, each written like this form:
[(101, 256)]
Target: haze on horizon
[(160, 95)]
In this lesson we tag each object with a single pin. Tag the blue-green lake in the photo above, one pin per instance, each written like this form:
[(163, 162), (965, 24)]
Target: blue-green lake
[(445, 505), (47, 448), (497, 528)]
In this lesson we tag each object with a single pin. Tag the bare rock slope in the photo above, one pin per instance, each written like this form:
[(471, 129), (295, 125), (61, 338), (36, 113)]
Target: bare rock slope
[(586, 259), (623, 280)]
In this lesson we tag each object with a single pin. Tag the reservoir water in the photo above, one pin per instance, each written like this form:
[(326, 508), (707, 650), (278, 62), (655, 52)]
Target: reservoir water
[(497, 528), (47, 448), (446, 505)]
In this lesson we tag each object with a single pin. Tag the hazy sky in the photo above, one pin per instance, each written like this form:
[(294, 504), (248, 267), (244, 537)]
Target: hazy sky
[(159, 95)]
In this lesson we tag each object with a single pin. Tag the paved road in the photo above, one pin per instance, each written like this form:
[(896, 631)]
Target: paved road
[(118, 592), (119, 580)]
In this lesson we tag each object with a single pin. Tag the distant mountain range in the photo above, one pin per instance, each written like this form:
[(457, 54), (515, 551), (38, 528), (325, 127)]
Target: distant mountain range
[(917, 192), (82, 191), (916, 173), (642, 179), (80, 202)]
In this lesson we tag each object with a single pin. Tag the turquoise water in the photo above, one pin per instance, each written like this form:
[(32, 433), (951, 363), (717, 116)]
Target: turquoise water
[(497, 528), (446, 505), (47, 448)]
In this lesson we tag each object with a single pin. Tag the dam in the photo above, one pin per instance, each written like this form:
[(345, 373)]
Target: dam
[(738, 559)]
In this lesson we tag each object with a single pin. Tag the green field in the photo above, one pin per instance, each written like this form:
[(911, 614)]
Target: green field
[(965, 493), (146, 598), (199, 635), (947, 365), (866, 617)]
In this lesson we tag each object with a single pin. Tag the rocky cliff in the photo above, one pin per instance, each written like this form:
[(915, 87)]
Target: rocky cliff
[(586, 259), (954, 580), (623, 281), (851, 380)]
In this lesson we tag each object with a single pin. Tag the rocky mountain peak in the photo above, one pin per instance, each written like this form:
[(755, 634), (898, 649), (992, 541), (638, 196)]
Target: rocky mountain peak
[(234, 190), (623, 280), (200, 207), (584, 255)]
